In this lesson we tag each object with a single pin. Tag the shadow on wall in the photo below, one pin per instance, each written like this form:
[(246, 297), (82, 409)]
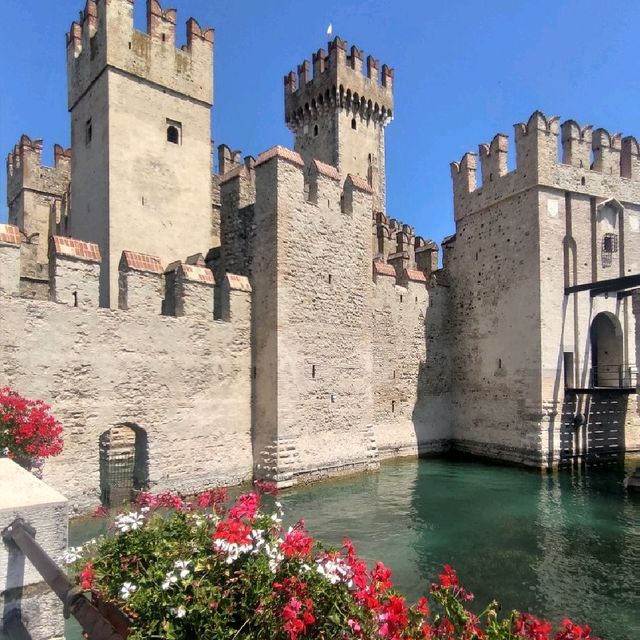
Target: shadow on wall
[(595, 432), (431, 413), (124, 463)]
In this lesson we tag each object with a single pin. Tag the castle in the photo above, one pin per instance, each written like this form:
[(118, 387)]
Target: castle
[(271, 320)]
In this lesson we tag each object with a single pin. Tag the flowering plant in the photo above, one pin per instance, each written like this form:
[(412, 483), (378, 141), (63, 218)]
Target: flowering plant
[(28, 432), (183, 570)]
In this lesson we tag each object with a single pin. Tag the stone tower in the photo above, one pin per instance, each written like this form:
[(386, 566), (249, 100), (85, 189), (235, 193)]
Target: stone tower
[(141, 135), (338, 114)]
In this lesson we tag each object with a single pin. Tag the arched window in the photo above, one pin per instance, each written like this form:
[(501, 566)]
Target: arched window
[(173, 135), (174, 132)]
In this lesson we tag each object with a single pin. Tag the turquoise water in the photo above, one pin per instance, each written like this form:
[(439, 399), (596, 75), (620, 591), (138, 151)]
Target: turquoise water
[(563, 544)]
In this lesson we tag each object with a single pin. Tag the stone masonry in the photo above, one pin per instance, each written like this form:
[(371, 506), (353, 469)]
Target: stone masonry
[(272, 320)]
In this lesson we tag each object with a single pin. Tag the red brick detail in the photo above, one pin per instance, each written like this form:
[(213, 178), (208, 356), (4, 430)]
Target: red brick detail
[(280, 152), (140, 262), (72, 248), (193, 273), (237, 172), (327, 170), (237, 283), (383, 269), (415, 276), (10, 235), (360, 183)]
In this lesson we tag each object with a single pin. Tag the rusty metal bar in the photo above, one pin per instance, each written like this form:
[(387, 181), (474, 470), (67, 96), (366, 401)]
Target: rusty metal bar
[(93, 623)]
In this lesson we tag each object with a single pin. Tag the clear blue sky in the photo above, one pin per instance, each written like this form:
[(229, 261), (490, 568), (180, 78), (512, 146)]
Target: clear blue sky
[(464, 71)]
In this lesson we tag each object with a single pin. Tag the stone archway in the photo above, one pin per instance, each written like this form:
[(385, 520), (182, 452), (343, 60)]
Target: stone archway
[(606, 351), (124, 463)]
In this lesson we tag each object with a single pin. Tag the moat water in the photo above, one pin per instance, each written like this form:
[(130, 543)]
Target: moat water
[(562, 544)]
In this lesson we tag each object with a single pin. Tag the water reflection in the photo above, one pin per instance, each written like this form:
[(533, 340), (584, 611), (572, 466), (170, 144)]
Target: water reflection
[(558, 544)]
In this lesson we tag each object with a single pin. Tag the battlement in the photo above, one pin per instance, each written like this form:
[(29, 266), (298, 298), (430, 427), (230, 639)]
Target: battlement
[(391, 236), (337, 79), (104, 36), (590, 161), (25, 169)]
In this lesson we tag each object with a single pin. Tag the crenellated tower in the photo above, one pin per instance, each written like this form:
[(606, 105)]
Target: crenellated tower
[(141, 134), (338, 106)]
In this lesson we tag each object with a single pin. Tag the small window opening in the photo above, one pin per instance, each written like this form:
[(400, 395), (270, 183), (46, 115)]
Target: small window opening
[(353, 123), (88, 131), (370, 159), (491, 177), (164, 37), (142, 200), (393, 406), (313, 370), (174, 132), (333, 398), (315, 130), (342, 203), (416, 298), (476, 255), (129, 45), (583, 181), (329, 278), (394, 374), (401, 297), (499, 363), (75, 298)]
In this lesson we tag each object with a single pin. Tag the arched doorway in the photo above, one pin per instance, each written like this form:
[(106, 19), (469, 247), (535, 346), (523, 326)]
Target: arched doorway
[(124, 463), (606, 351)]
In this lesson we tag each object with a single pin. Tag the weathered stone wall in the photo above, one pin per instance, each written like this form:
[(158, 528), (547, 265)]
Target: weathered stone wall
[(495, 365), (186, 382), (410, 397), (24, 593), (313, 336)]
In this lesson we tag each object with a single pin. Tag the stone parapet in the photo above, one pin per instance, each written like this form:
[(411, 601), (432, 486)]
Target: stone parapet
[(25, 595)]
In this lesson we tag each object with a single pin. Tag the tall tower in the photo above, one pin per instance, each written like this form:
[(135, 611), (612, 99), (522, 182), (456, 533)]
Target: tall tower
[(141, 135), (338, 114)]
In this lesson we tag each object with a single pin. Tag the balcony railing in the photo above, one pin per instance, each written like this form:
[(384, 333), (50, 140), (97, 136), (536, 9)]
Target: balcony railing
[(614, 376)]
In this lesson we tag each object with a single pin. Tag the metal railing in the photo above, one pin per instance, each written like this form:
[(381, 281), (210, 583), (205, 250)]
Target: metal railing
[(98, 622), (614, 376)]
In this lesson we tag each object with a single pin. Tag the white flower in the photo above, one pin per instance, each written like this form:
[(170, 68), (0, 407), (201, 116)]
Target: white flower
[(180, 612), (170, 579), (71, 555), (183, 566), (126, 590), (130, 521)]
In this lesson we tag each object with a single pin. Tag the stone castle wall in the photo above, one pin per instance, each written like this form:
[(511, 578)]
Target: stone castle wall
[(521, 238), (184, 382)]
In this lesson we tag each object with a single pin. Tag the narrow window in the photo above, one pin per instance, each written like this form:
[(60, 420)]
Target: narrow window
[(164, 37), (394, 374), (129, 45), (499, 363), (583, 181), (75, 298), (401, 297), (393, 406), (88, 131), (329, 278), (315, 130), (174, 132), (353, 123), (313, 370), (333, 398), (142, 199)]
